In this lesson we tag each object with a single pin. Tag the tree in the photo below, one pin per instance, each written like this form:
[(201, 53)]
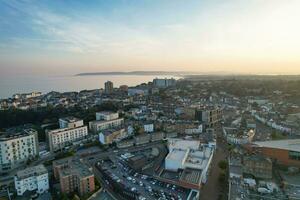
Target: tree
[(222, 177), (223, 164), (136, 130)]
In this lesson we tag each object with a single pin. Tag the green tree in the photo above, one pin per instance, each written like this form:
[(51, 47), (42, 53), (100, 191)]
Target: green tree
[(223, 164)]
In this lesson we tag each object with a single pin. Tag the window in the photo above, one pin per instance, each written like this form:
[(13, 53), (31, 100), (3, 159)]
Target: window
[(294, 155)]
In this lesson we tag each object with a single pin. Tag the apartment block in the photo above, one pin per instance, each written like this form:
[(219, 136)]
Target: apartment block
[(209, 115), (111, 135), (258, 166), (17, 148), (73, 176), (106, 116), (71, 130), (70, 122), (32, 179), (162, 83), (104, 121), (108, 87)]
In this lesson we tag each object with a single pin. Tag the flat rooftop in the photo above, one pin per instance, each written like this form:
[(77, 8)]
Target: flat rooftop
[(199, 158), (74, 167), (70, 119), (289, 145), (191, 176), (104, 122), (31, 171), (190, 158), (4, 136), (174, 143), (177, 154), (64, 129), (111, 131)]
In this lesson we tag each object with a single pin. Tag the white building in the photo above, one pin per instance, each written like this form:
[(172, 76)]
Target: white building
[(198, 157), (149, 128), (175, 143), (70, 122), (236, 136), (106, 116), (109, 136), (17, 148), (32, 179), (189, 158), (104, 121), (175, 159), (27, 95), (258, 101), (271, 123), (197, 130), (71, 130), (137, 91)]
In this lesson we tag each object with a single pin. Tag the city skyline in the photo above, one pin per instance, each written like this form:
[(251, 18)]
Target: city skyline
[(149, 99), (253, 37)]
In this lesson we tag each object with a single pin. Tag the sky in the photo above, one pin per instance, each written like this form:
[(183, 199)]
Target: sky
[(206, 36)]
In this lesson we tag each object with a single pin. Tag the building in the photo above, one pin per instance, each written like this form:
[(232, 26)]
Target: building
[(163, 83), (17, 148), (137, 162), (123, 88), (258, 166), (237, 136), (187, 113), (285, 152), (188, 158), (235, 166), (71, 130), (209, 115), (258, 101), (175, 143), (108, 87), (96, 126), (149, 127), (194, 130), (137, 91), (32, 179), (111, 135), (106, 116), (73, 176), (104, 121), (27, 95), (191, 157), (251, 124), (70, 122)]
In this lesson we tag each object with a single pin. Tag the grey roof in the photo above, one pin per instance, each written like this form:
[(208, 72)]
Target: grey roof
[(290, 145), (31, 171), (4, 136), (74, 167), (70, 119)]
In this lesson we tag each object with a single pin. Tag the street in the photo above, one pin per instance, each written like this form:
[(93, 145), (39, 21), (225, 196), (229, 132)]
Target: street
[(212, 188)]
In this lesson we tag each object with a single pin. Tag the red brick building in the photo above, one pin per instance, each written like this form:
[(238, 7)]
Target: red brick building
[(285, 152), (73, 176)]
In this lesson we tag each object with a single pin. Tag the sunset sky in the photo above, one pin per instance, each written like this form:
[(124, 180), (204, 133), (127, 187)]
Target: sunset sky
[(232, 36)]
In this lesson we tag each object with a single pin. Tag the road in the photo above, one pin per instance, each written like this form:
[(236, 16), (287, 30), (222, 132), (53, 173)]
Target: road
[(9, 178), (212, 188)]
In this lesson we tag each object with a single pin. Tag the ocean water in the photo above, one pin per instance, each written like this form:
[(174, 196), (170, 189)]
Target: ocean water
[(44, 84)]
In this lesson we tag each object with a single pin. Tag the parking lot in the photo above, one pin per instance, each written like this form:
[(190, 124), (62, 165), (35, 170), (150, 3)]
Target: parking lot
[(146, 186)]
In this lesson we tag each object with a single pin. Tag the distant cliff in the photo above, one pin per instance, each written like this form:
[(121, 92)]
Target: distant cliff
[(140, 73)]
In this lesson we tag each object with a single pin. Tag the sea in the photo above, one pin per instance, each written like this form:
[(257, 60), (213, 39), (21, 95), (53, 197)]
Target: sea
[(67, 83)]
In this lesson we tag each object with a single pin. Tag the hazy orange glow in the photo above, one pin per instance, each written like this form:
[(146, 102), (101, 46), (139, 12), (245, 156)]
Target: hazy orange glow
[(257, 37)]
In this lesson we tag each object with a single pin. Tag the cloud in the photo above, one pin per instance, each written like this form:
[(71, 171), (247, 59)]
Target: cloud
[(233, 30), (79, 35)]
